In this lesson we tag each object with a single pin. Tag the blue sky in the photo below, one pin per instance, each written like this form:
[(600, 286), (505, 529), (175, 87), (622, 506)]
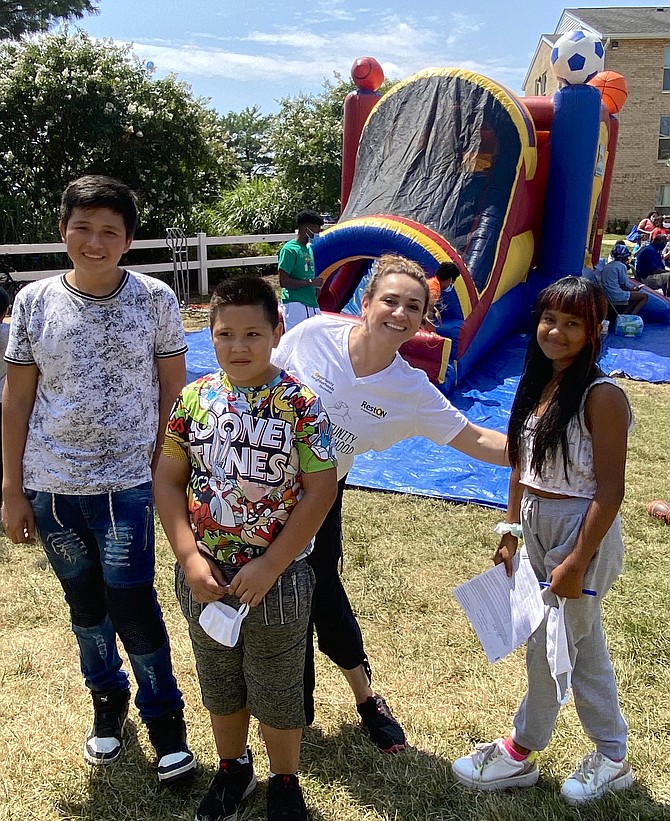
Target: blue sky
[(242, 53)]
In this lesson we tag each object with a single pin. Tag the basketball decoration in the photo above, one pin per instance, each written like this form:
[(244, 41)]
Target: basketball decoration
[(659, 509), (367, 74), (613, 87)]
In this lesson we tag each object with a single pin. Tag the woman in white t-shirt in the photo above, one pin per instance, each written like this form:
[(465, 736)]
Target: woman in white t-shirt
[(374, 399)]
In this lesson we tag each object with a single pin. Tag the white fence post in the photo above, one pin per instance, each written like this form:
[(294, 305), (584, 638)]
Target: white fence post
[(203, 278)]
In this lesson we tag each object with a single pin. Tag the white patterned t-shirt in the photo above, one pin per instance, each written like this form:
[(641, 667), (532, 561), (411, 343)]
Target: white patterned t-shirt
[(94, 422)]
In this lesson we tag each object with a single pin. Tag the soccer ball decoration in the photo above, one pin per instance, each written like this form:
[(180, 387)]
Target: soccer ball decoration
[(577, 57)]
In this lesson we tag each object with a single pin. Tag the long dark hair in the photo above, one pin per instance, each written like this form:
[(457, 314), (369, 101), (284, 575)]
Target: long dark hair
[(570, 295)]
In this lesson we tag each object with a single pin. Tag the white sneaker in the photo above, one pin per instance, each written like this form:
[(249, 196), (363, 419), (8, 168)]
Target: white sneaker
[(596, 775), (490, 767)]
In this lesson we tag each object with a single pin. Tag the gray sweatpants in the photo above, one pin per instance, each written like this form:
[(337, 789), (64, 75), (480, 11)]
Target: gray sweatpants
[(550, 528)]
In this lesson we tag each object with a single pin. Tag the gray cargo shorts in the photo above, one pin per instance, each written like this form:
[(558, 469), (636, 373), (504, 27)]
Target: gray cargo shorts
[(264, 671)]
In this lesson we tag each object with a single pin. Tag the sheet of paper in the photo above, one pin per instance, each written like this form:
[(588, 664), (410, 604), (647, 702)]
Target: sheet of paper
[(504, 612)]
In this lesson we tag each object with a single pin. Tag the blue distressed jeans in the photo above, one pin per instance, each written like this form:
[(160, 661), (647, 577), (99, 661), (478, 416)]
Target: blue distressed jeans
[(101, 548)]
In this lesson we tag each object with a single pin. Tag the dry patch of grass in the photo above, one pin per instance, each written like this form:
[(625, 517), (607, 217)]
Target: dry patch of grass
[(403, 556)]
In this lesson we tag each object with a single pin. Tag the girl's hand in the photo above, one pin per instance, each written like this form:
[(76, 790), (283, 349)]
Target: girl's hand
[(567, 581), (505, 552)]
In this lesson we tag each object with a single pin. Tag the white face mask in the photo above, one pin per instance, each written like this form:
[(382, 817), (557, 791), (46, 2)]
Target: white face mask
[(222, 622), (666, 224), (448, 288), (558, 656)]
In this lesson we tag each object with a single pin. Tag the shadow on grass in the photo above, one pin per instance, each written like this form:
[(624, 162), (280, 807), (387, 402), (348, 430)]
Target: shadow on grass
[(418, 786), (345, 776), (128, 790)]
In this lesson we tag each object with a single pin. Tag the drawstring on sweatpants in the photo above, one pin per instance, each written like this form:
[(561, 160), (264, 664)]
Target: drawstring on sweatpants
[(53, 510), (111, 515)]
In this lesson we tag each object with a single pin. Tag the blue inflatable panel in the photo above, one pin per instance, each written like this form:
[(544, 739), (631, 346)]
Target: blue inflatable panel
[(420, 467)]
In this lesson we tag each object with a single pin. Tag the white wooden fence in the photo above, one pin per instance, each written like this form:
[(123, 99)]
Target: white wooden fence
[(201, 242)]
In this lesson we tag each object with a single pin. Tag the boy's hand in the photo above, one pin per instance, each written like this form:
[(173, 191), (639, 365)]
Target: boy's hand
[(205, 579), (505, 552), (18, 519), (567, 580), (253, 581)]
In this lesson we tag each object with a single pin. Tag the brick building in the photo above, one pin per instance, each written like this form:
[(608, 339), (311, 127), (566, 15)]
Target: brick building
[(637, 45)]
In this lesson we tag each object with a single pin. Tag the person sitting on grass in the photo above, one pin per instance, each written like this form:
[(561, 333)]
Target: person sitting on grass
[(246, 478), (650, 267), (625, 295), (95, 361)]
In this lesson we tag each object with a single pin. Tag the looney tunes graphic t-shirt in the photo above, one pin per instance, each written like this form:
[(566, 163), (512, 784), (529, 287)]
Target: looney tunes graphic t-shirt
[(248, 449)]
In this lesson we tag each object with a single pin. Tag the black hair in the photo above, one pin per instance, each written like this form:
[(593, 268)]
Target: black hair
[(309, 217), (98, 191), (245, 290), (447, 270), (570, 295), (4, 301)]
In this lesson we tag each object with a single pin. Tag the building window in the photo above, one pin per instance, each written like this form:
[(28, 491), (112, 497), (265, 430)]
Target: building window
[(541, 85), (666, 68), (662, 204), (664, 139)]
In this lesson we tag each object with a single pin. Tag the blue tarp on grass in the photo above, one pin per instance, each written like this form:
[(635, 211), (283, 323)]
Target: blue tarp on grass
[(418, 466)]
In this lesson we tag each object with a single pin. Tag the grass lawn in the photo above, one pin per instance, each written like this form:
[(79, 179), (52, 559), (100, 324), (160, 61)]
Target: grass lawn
[(403, 556)]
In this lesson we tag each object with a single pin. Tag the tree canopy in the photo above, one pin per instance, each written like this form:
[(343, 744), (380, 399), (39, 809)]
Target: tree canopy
[(305, 147), (70, 105), (249, 134), (32, 16), (307, 144)]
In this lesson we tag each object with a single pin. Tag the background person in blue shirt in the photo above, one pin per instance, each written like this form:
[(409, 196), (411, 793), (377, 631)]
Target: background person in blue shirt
[(621, 291), (650, 267)]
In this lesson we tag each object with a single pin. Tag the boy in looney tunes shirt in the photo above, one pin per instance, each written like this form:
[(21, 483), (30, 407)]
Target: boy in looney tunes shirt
[(246, 478)]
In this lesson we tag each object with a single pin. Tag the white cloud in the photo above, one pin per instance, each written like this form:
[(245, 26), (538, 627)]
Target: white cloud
[(402, 46), (294, 39)]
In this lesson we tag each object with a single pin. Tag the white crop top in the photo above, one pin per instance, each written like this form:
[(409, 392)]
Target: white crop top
[(581, 476)]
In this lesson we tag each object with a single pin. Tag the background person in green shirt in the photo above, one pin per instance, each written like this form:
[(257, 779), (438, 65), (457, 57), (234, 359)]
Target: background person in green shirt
[(297, 276)]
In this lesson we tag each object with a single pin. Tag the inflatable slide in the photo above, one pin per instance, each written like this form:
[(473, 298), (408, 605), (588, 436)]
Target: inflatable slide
[(452, 166)]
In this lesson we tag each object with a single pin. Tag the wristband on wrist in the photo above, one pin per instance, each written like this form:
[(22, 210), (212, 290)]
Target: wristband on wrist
[(508, 527)]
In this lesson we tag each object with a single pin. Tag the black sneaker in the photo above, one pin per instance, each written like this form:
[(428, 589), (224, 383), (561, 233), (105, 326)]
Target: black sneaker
[(168, 735), (104, 739), (230, 786), (285, 801), (383, 729)]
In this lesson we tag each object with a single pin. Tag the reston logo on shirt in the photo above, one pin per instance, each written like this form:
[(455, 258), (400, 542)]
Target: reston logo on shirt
[(380, 413)]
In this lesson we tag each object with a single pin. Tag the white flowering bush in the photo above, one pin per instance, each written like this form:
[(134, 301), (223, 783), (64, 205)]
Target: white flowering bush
[(307, 144), (70, 105)]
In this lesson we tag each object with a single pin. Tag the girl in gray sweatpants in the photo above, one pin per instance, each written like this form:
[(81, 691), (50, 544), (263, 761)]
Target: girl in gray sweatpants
[(567, 442)]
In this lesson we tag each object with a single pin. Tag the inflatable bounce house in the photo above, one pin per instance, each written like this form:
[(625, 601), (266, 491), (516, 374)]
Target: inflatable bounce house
[(452, 166)]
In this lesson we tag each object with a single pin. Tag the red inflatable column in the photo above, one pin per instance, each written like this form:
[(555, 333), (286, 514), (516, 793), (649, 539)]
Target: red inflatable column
[(368, 76)]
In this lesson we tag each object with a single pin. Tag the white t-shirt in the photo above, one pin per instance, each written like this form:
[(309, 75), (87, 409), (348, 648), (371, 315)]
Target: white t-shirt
[(369, 412), (95, 418)]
